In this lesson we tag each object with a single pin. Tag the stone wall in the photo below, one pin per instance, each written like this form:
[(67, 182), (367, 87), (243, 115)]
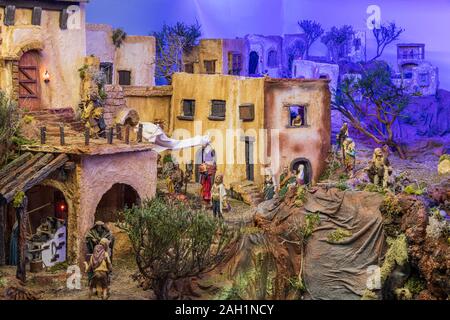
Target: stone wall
[(114, 102)]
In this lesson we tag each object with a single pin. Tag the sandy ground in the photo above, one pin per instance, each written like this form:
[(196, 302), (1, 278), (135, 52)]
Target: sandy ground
[(52, 286)]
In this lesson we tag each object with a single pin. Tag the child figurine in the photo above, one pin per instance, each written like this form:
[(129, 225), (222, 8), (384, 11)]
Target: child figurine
[(218, 195)]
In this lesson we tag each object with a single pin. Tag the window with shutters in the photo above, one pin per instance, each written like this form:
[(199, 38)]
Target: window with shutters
[(187, 109), (235, 63), (124, 78), (189, 67), (218, 110), (247, 112), (210, 66), (107, 69), (272, 59)]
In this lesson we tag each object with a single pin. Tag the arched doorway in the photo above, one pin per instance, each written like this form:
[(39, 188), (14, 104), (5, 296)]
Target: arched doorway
[(307, 168), (253, 63), (29, 84), (117, 198)]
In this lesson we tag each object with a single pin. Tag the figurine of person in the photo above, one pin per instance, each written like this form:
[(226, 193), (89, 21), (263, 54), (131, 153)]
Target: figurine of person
[(269, 185), (379, 170), (349, 155), (100, 267), (340, 138), (297, 121), (206, 183), (301, 175), (94, 236), (218, 195)]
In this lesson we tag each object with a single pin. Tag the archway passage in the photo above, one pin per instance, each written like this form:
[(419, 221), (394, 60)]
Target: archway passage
[(253, 63), (117, 198), (307, 168), (29, 86)]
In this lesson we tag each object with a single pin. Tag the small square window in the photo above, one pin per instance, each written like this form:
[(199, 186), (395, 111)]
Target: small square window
[(188, 110), (210, 66), (247, 112), (189, 67), (234, 63), (124, 78), (297, 116), (218, 110)]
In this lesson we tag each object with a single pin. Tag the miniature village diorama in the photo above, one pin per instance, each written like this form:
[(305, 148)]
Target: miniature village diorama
[(175, 166)]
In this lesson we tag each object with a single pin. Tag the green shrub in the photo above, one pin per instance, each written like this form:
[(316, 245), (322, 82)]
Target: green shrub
[(300, 196), (414, 189), (444, 157), (397, 254), (415, 285), (338, 235)]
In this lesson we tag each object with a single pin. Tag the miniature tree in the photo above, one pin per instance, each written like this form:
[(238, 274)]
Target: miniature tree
[(172, 242), (381, 105), (295, 51), (386, 34), (313, 30), (171, 43), (9, 125), (118, 37), (337, 40)]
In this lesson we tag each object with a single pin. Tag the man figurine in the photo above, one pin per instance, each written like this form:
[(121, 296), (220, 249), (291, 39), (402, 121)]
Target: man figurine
[(100, 266), (218, 195), (340, 138), (297, 122), (269, 185), (349, 155), (379, 169), (96, 234)]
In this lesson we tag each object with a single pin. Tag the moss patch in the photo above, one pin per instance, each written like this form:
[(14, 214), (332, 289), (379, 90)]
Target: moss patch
[(397, 254), (18, 199), (338, 235)]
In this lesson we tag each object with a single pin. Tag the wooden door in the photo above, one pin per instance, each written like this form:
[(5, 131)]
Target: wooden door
[(29, 88)]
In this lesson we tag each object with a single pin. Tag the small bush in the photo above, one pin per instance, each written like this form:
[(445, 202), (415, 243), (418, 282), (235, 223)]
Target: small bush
[(300, 196), (312, 221), (415, 285), (397, 254), (390, 207), (413, 189), (444, 157)]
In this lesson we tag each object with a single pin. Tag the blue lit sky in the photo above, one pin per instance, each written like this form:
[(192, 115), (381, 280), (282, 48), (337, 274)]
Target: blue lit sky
[(424, 21)]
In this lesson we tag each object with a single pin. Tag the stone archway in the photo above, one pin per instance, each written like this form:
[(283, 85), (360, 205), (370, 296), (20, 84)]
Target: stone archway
[(118, 197)]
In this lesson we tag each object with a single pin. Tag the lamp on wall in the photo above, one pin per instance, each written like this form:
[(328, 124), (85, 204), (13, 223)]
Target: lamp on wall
[(46, 76)]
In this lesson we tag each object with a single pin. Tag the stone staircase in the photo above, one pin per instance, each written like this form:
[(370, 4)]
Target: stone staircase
[(246, 191), (52, 118)]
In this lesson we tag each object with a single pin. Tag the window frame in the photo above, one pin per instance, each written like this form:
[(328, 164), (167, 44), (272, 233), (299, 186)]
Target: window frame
[(110, 75), (183, 116), (306, 123), (252, 112), (215, 117), (118, 76), (213, 63)]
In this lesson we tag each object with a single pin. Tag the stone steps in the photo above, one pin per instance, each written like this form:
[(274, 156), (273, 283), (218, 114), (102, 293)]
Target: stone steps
[(52, 118), (248, 192)]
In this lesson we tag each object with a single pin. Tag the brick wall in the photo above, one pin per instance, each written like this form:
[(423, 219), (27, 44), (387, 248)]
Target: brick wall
[(114, 102)]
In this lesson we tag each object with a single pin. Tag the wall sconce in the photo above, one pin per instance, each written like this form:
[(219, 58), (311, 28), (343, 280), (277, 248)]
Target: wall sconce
[(46, 76)]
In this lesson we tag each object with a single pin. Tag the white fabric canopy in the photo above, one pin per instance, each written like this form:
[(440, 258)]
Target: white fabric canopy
[(154, 134)]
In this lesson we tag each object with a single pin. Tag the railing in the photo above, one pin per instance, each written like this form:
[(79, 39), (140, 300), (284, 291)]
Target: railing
[(111, 134)]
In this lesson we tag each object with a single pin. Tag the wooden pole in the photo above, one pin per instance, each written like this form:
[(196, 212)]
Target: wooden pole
[(139, 135), (87, 136), (22, 220), (110, 135), (43, 135), (61, 134), (127, 134), (2, 231)]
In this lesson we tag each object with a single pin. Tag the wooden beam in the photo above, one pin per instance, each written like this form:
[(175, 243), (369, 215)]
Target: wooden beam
[(18, 171), (2, 231), (22, 220), (38, 176), (6, 170)]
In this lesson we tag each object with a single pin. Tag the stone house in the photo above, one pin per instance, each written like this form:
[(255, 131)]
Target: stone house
[(416, 75), (316, 70)]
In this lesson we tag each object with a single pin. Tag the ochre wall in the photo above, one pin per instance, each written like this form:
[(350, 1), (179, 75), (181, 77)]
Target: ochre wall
[(311, 142), (61, 53), (235, 91)]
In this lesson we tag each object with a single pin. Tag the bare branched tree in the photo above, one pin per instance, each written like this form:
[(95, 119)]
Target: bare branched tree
[(381, 105), (313, 30), (171, 43), (386, 34)]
